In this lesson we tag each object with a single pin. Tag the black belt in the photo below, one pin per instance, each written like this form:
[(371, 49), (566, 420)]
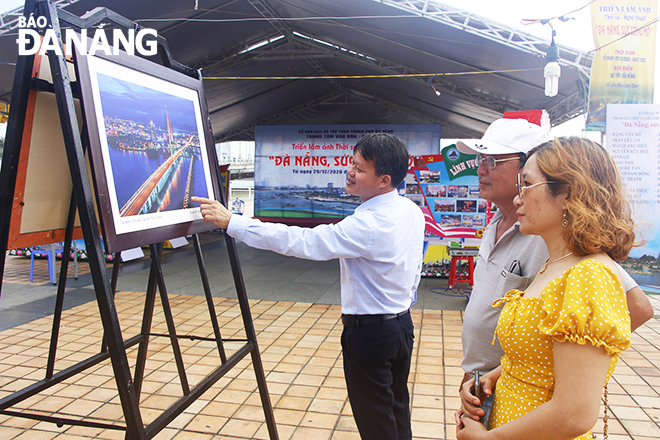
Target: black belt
[(358, 320)]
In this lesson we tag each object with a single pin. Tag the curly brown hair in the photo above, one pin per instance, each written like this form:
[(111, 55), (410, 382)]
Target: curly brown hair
[(599, 215)]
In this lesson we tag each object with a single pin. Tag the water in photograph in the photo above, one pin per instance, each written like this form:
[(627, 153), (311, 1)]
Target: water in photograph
[(132, 168)]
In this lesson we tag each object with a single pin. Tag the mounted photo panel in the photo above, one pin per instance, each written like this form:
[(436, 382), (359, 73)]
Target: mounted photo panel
[(43, 184), (151, 149)]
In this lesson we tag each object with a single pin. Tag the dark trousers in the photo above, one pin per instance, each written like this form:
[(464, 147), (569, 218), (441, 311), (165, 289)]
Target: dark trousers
[(376, 367)]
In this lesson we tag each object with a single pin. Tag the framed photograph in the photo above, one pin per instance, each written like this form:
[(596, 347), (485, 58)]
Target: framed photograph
[(150, 146)]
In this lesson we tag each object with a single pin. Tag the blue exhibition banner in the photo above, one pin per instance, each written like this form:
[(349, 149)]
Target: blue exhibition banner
[(300, 170)]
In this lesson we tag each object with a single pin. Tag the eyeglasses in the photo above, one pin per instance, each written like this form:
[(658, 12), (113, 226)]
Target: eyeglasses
[(490, 161), (522, 189)]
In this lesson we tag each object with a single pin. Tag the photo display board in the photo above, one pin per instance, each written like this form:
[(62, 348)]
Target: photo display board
[(151, 149), (446, 187), (43, 189)]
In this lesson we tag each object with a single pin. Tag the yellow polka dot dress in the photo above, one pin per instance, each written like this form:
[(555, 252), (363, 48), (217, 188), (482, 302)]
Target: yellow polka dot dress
[(586, 304)]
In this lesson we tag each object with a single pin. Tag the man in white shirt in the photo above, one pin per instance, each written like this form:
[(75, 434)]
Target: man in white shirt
[(380, 250)]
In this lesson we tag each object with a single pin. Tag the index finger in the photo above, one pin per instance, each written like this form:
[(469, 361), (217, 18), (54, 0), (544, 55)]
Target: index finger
[(201, 200)]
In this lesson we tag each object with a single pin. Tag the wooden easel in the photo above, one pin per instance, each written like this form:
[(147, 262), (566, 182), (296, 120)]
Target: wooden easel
[(113, 346)]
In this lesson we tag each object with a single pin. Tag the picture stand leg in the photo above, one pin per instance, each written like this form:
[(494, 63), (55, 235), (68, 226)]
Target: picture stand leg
[(169, 318), (252, 337), (61, 286), (209, 298)]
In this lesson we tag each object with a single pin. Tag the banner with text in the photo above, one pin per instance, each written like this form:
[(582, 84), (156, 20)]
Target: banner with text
[(300, 170), (623, 71), (633, 138)]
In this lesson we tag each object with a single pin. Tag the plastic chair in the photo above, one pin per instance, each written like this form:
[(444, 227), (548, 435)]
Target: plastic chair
[(461, 254), (50, 252), (455, 276)]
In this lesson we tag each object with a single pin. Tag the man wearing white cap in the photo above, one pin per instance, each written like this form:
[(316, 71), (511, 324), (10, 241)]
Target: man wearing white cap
[(507, 258)]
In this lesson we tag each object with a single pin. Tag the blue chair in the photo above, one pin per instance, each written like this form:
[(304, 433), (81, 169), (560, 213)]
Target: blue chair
[(50, 252)]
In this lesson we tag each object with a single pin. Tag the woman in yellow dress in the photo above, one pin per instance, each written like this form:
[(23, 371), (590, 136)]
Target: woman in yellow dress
[(563, 335)]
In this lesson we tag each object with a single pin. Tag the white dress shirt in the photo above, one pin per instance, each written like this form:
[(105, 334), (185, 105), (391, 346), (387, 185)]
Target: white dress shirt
[(380, 251)]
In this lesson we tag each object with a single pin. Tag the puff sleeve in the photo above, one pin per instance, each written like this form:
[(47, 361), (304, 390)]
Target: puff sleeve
[(587, 304)]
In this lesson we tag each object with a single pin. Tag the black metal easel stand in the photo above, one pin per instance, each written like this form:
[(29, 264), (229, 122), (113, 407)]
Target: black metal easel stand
[(113, 346)]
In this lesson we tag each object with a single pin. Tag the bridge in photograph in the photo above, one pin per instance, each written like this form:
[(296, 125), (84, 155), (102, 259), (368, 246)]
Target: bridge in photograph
[(151, 190)]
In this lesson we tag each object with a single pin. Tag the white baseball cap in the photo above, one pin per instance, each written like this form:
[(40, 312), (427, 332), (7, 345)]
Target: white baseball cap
[(506, 136)]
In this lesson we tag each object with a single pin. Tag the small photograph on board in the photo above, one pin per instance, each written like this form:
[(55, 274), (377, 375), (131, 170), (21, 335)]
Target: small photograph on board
[(466, 206), (429, 176), (436, 191), (443, 205), (473, 221), (450, 220)]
